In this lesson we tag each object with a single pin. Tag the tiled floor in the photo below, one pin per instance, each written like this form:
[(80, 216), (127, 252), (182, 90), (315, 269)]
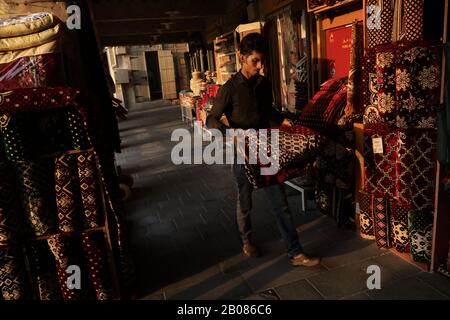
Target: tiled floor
[(185, 244)]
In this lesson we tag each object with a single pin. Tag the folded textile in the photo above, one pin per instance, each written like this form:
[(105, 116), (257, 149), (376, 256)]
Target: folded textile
[(417, 78), (297, 146), (28, 136), (13, 137), (25, 24), (42, 98), (420, 225), (77, 193), (312, 115), (43, 49), (405, 170), (380, 168), (90, 194), (399, 227), (13, 276), (43, 270), (381, 214), (354, 73), (36, 191), (336, 107), (68, 194), (366, 219), (416, 166), (30, 40), (97, 261), (46, 70), (59, 138), (11, 227), (386, 82), (413, 19), (301, 96), (369, 88), (67, 251), (408, 77)]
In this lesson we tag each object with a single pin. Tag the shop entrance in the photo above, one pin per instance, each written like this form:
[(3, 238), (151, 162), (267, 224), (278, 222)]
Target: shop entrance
[(153, 75)]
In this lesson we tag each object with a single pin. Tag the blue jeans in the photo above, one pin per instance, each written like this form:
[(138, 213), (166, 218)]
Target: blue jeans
[(279, 207)]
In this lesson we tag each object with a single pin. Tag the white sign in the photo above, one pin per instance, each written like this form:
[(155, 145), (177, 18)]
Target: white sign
[(377, 145)]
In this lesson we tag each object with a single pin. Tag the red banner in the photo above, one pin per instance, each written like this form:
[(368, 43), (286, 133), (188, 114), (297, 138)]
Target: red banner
[(338, 44)]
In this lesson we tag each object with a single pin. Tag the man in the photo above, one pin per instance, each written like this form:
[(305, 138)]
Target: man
[(246, 100)]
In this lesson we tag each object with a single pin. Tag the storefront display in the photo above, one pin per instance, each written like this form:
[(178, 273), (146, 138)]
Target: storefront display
[(401, 83), (54, 178)]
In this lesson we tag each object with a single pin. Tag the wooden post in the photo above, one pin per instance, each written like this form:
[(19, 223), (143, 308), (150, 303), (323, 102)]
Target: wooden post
[(319, 52), (440, 203), (202, 66)]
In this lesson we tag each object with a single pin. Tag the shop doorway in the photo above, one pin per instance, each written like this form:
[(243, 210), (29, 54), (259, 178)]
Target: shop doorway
[(272, 62), (153, 75)]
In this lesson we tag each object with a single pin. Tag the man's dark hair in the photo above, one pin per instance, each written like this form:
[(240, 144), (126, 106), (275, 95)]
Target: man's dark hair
[(253, 42)]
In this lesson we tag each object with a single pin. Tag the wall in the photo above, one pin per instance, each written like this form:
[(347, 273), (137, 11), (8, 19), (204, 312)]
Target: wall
[(131, 59)]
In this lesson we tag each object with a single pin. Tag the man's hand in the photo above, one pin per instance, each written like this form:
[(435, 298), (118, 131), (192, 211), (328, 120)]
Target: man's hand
[(287, 123)]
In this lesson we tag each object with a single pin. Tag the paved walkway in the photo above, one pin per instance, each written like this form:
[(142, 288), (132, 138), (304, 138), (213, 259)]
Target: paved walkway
[(185, 245)]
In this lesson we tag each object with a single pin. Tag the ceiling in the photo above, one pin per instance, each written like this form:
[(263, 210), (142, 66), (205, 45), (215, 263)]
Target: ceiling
[(127, 22)]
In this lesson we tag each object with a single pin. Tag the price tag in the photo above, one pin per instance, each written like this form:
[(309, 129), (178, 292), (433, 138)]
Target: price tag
[(377, 145)]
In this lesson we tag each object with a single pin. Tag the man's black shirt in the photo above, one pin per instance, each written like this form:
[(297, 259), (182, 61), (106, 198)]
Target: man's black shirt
[(247, 103)]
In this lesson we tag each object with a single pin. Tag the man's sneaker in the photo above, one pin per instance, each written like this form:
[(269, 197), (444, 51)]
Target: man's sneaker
[(250, 250), (302, 259)]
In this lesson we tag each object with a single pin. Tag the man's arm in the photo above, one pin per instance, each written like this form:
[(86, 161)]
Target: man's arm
[(221, 102)]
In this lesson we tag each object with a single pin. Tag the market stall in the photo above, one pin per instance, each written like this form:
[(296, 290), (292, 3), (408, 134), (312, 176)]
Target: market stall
[(60, 206)]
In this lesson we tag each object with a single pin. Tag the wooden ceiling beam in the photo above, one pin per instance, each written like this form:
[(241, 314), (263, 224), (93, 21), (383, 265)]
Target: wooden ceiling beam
[(117, 10), (145, 27), (147, 39)]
